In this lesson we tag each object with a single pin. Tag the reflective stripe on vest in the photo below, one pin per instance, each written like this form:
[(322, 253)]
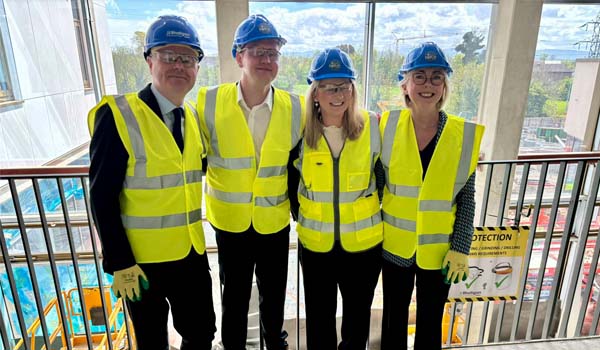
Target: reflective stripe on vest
[(407, 194), (161, 198), (359, 223), (140, 181), (260, 198)]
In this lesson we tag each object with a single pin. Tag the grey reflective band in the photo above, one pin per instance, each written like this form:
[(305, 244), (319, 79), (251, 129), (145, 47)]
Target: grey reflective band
[(435, 205), (328, 227), (404, 191), (375, 137), (268, 171), (403, 224), (433, 238), (327, 197), (464, 165), (154, 222), (270, 201), (193, 176), (195, 216), (135, 135), (153, 183), (230, 197), (161, 182), (195, 113), (389, 133), (210, 110), (296, 119), (230, 163)]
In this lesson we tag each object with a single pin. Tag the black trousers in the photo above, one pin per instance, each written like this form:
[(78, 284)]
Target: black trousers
[(240, 256), (185, 287), (356, 275), (432, 292)]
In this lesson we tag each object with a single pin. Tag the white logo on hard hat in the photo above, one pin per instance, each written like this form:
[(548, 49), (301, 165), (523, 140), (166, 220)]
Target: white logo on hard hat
[(430, 56), (264, 28), (335, 65), (178, 34)]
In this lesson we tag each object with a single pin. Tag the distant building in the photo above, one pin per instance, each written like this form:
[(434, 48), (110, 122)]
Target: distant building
[(551, 71)]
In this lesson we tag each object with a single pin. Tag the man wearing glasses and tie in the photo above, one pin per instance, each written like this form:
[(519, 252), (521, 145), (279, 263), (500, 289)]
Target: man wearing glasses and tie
[(146, 194), (250, 127)]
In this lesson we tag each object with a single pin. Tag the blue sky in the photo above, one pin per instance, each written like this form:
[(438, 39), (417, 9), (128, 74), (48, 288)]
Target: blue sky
[(311, 26)]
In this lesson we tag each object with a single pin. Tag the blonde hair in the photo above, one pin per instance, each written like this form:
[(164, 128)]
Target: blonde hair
[(440, 104), (352, 124)]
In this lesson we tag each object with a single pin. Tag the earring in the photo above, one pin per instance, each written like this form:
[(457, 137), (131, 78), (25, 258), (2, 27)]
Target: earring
[(318, 108)]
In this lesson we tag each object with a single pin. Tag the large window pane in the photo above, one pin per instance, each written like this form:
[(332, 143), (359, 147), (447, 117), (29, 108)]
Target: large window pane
[(461, 30), (566, 36), (309, 28), (128, 21)]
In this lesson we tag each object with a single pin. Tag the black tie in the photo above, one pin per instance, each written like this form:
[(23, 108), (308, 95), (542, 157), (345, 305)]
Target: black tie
[(178, 114)]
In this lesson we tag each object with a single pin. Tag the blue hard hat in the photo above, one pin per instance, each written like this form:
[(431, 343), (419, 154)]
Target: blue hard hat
[(331, 63), (400, 76), (169, 30), (254, 28), (427, 55)]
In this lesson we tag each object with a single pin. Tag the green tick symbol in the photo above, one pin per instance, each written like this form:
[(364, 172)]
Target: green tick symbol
[(473, 281), (500, 282)]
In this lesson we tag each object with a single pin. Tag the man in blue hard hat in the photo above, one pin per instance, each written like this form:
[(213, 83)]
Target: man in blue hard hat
[(146, 194), (250, 127)]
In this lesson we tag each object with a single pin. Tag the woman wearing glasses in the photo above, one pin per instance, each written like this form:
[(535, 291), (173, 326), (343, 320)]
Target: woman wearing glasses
[(339, 224), (429, 159)]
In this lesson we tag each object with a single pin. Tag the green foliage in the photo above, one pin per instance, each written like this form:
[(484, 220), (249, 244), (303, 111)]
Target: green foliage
[(385, 91), (465, 88), (555, 108), (536, 100), (564, 89), (472, 42), (131, 71)]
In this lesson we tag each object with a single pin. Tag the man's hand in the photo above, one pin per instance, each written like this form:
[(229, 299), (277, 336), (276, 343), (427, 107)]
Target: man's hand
[(127, 283), (455, 267)]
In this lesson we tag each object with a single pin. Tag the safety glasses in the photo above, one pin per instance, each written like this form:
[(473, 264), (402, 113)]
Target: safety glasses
[(331, 89), (170, 57), (260, 52)]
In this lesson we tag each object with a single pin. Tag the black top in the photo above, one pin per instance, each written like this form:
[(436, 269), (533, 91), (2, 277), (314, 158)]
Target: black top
[(426, 155), (108, 166)]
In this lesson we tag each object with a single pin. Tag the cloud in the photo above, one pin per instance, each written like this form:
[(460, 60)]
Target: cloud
[(313, 26)]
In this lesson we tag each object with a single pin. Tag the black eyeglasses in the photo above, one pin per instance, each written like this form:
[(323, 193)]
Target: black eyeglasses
[(170, 57), (436, 79), (272, 54)]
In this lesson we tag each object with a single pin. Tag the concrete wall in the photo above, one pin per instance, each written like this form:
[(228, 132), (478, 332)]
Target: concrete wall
[(49, 119)]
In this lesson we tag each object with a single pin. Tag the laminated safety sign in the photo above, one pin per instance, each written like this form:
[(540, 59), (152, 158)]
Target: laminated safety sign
[(495, 265)]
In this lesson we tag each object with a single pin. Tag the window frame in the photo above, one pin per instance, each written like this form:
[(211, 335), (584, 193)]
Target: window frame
[(83, 46)]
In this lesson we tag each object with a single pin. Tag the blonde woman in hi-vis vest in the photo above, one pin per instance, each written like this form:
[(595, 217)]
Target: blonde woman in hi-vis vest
[(429, 158), (339, 225)]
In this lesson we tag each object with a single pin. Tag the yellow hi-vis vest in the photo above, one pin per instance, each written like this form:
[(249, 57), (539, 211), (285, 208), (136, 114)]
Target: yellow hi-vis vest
[(419, 214), (162, 192), (239, 192), (338, 197)]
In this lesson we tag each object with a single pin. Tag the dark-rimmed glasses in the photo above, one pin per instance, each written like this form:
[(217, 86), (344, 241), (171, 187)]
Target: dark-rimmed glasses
[(436, 79), (170, 57)]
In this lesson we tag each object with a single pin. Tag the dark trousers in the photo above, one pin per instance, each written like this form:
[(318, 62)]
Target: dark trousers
[(356, 275), (185, 287), (432, 292), (240, 256)]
